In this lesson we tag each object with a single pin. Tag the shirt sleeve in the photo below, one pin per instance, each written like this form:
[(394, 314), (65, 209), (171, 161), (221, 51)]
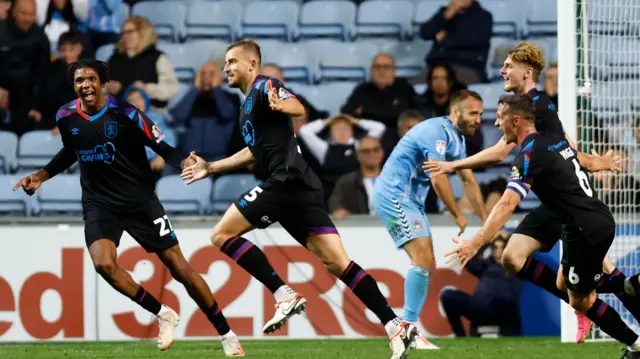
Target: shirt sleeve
[(154, 139), (433, 144), (524, 169), (281, 90)]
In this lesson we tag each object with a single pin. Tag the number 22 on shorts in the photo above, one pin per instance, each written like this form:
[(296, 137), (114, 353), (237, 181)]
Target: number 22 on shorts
[(163, 222), (253, 194)]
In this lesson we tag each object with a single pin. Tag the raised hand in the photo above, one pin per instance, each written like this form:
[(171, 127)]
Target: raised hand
[(436, 167), (274, 101), (195, 172), (608, 161)]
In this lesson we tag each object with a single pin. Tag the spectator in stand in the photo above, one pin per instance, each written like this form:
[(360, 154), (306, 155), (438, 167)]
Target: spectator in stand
[(441, 84), (405, 122), (104, 22), (57, 90), (24, 57), (385, 97), (353, 192), (5, 5), (337, 155), (551, 82), (136, 61), (495, 299), (209, 114), (138, 98), (59, 16), (461, 32)]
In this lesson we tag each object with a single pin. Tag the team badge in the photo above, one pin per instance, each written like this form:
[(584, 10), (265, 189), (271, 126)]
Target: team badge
[(515, 173), (157, 134), (417, 226), (248, 105), (283, 94), (441, 147), (110, 129)]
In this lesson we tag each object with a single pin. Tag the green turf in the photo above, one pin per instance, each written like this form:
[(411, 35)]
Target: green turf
[(543, 348)]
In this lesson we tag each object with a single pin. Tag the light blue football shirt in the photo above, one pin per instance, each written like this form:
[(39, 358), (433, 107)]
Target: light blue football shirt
[(403, 175)]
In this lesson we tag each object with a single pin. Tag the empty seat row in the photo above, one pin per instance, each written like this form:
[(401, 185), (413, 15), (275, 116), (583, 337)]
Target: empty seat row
[(288, 20), (62, 195), (32, 150)]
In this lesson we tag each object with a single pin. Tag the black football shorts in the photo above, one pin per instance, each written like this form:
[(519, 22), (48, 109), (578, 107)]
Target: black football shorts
[(298, 208), (148, 224), (543, 226), (582, 258)]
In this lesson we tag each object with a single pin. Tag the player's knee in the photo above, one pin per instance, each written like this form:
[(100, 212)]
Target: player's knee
[(218, 237), (512, 261), (105, 268), (425, 261)]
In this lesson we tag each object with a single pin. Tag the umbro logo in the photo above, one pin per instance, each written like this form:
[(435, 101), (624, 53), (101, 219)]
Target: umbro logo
[(75, 131)]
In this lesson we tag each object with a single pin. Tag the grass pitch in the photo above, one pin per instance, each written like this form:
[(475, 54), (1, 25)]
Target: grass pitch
[(504, 348)]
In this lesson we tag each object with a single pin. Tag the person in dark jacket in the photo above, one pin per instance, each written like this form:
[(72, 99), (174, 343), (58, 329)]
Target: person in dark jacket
[(353, 192), (495, 299), (24, 58), (385, 97), (461, 33)]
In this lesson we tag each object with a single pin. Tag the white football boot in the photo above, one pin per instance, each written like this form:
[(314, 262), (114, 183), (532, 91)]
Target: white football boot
[(168, 320), (422, 343), (285, 310), (231, 346), (402, 339)]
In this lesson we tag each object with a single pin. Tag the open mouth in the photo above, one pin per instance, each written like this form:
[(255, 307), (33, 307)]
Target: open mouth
[(89, 96)]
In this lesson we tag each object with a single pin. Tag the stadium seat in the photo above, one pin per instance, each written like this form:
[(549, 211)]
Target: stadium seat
[(200, 51), (507, 17), (409, 56), (36, 148), (181, 59), (379, 18), (490, 95), (213, 19), (542, 18), (327, 19), (8, 151), (15, 203), (497, 54), (168, 17), (297, 62), (424, 10), (178, 198), (344, 61), (270, 19), (227, 189), (104, 52), (60, 195), (334, 95)]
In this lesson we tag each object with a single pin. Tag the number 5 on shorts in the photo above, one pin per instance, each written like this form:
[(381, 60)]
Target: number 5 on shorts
[(163, 221), (253, 194)]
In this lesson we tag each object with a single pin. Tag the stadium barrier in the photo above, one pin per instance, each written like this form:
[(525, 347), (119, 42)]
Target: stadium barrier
[(49, 289)]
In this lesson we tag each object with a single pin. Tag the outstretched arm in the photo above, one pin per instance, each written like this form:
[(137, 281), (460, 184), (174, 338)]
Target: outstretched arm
[(64, 159), (240, 159), (484, 158)]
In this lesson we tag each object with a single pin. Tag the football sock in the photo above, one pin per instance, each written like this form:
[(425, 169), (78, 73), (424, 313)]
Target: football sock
[(366, 289), (543, 276), (215, 316), (415, 292), (610, 322), (147, 301), (251, 259)]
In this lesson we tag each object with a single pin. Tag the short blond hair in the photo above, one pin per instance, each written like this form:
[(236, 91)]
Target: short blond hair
[(248, 45), (529, 54)]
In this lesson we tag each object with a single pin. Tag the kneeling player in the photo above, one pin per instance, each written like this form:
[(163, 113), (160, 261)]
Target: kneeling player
[(402, 187), (547, 164)]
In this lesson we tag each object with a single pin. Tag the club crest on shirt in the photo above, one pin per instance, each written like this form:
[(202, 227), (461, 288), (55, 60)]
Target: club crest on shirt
[(157, 134), (441, 147), (248, 105), (111, 129)]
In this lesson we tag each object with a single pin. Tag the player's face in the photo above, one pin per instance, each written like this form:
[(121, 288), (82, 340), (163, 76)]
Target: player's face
[(508, 126), (341, 131), (88, 86), (468, 116), (237, 66), (513, 74), (135, 98)]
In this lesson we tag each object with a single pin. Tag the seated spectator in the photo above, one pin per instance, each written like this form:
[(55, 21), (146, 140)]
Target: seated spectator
[(406, 121), (385, 97), (59, 16), (5, 5), (209, 115), (136, 61), (551, 82), (138, 98), (104, 22), (353, 193), (494, 300), (461, 32), (337, 155), (441, 84), (24, 59), (57, 90)]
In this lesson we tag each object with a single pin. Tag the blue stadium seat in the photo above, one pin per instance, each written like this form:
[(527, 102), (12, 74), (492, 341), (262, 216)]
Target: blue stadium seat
[(379, 18), (60, 195), (227, 189), (507, 17), (104, 52), (178, 198), (613, 17), (498, 50), (200, 51), (490, 95), (8, 151), (213, 19), (297, 62), (168, 17), (334, 95), (344, 61), (36, 148), (181, 59), (542, 18), (15, 203), (327, 19), (424, 10), (270, 19), (409, 56)]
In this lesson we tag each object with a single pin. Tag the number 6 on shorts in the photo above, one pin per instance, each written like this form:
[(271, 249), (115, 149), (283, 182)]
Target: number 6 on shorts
[(573, 276)]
